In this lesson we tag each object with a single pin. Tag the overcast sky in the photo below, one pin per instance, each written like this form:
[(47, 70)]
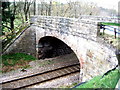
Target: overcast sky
[(111, 4)]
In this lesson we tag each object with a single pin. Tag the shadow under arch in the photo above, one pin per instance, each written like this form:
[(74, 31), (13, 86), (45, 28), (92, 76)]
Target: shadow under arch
[(50, 46)]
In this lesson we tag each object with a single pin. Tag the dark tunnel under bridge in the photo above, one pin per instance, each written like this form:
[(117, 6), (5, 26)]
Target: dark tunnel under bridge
[(49, 47)]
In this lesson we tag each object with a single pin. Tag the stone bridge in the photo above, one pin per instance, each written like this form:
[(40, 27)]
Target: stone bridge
[(80, 35)]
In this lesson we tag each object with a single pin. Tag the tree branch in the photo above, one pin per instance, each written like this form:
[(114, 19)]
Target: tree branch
[(7, 27)]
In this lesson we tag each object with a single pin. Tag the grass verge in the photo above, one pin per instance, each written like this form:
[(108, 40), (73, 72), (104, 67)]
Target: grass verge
[(15, 61), (108, 81)]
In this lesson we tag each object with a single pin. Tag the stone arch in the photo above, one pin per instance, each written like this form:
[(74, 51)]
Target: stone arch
[(69, 40), (55, 47)]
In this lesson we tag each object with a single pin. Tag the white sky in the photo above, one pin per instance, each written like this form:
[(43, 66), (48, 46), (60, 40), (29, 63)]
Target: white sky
[(111, 4)]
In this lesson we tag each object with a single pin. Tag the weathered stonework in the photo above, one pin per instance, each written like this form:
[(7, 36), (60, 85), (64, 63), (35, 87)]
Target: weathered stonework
[(25, 43), (95, 57)]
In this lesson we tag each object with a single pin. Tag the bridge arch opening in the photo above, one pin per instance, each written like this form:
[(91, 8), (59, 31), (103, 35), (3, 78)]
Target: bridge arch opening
[(49, 47), (52, 48)]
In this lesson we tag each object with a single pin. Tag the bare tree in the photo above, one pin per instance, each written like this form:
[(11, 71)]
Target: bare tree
[(41, 8), (12, 16), (26, 8), (34, 7), (69, 7), (50, 8), (20, 10)]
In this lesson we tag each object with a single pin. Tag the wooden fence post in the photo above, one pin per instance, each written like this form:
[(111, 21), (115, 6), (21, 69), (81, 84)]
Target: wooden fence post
[(98, 29), (103, 29), (115, 32)]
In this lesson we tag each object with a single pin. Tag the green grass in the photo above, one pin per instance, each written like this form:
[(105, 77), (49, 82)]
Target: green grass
[(108, 81), (112, 24), (12, 59), (15, 61), (18, 56)]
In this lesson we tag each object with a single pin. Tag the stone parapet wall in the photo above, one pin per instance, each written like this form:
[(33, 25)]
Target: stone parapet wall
[(68, 25)]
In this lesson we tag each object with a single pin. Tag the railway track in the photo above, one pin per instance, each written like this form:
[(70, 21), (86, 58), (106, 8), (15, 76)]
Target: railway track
[(28, 81)]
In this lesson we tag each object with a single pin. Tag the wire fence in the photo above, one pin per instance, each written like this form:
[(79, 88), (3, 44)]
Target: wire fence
[(111, 30)]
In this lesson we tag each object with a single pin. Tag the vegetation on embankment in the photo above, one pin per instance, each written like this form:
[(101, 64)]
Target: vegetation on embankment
[(15, 61), (108, 81), (112, 40)]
